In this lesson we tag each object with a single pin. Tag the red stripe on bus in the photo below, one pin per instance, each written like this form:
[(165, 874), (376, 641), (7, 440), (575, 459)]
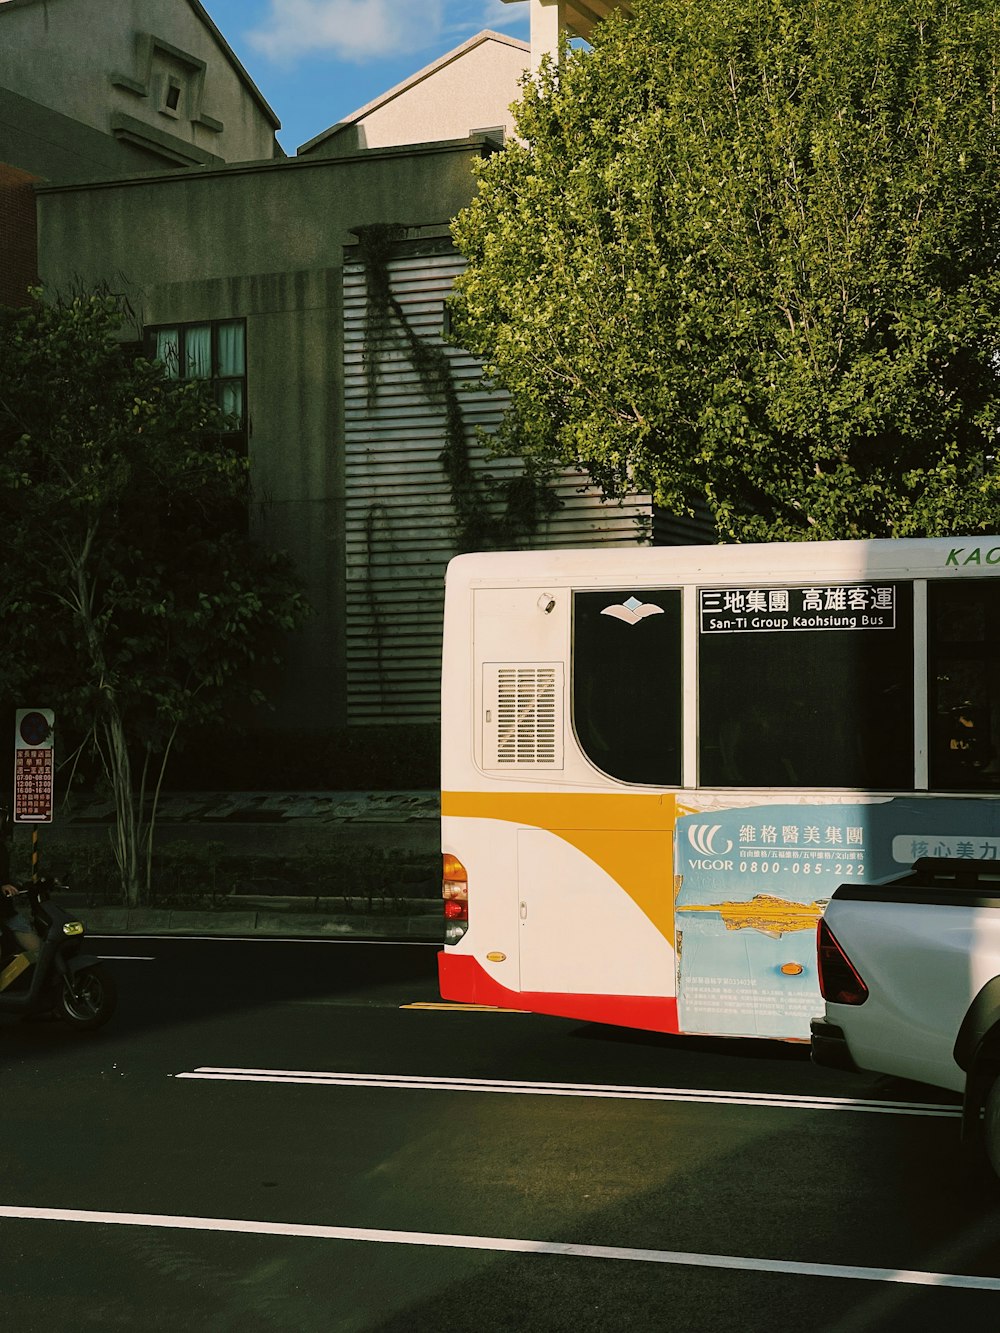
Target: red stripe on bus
[(464, 980)]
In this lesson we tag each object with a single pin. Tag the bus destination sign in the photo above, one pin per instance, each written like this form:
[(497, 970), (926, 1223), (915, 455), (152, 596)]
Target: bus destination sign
[(845, 606)]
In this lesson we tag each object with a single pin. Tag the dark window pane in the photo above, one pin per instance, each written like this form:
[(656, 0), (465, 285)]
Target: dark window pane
[(167, 349), (229, 396), (806, 687), (215, 351), (627, 683), (231, 348), (964, 678), (198, 352)]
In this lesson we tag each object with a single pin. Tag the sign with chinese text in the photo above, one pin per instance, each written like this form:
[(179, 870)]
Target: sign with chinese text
[(34, 768), (849, 606)]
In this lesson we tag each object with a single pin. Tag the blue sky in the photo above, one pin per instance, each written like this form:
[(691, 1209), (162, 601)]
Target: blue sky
[(317, 60)]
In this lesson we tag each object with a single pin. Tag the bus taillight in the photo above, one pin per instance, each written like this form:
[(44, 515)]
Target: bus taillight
[(455, 892), (839, 981)]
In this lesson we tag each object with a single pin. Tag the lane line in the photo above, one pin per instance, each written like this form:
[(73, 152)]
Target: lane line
[(126, 958), (915, 1277), (625, 1092), (451, 1006)]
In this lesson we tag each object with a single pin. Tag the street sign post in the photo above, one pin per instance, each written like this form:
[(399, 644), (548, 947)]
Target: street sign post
[(34, 767)]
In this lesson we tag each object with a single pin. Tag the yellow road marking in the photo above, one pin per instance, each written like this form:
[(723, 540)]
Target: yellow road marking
[(468, 1008)]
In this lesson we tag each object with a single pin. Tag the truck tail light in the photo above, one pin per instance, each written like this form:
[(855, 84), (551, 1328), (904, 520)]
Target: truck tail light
[(839, 981), (455, 892)]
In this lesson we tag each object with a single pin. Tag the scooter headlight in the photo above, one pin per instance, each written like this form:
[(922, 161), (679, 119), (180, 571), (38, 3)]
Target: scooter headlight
[(73, 928)]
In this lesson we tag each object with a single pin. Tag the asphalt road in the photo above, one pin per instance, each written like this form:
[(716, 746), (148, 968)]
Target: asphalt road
[(271, 1136)]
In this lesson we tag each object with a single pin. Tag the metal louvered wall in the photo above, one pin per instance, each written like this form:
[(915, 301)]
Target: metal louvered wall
[(399, 520)]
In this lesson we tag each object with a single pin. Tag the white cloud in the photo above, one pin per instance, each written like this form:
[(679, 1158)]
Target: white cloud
[(356, 30), (496, 13), (469, 16)]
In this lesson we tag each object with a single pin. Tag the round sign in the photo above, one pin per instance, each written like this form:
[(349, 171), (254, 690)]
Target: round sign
[(35, 729)]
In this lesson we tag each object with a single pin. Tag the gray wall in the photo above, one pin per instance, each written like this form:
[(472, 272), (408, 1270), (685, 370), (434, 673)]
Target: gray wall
[(106, 65), (255, 218), (48, 144), (265, 242)]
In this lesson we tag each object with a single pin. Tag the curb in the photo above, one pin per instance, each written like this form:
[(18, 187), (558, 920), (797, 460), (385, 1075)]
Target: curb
[(424, 926)]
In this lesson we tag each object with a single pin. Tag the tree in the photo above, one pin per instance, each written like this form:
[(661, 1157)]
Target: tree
[(751, 253), (132, 598)]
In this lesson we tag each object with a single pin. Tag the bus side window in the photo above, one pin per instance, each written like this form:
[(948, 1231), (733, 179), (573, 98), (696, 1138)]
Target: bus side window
[(817, 692), (627, 683), (963, 644)]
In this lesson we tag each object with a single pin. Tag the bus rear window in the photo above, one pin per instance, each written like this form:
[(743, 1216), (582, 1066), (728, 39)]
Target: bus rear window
[(627, 683), (964, 678), (806, 686)]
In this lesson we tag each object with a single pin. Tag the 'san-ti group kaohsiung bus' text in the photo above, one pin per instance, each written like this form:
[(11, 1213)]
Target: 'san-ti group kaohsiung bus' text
[(659, 763)]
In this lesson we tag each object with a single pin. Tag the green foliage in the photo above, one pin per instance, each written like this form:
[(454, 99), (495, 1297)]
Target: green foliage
[(136, 604), (750, 252), (214, 876)]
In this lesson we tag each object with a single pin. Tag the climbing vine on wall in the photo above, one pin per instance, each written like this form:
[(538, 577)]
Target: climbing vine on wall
[(489, 511)]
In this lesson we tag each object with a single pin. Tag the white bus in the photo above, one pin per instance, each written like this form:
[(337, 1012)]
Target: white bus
[(658, 763)]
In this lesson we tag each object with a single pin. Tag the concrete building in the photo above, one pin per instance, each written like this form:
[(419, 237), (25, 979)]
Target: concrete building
[(96, 87), (466, 92), (261, 249), (18, 237), (551, 18), (312, 291), (92, 89)]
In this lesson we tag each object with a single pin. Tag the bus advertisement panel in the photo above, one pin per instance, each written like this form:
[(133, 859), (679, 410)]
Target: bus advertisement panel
[(754, 881)]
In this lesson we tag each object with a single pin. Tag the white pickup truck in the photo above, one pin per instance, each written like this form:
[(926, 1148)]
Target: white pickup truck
[(910, 972)]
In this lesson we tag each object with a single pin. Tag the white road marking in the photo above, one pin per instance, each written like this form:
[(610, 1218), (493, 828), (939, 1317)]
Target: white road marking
[(126, 958), (915, 1277), (626, 1092)]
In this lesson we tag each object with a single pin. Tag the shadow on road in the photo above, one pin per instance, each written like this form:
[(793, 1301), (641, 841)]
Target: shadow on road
[(171, 981)]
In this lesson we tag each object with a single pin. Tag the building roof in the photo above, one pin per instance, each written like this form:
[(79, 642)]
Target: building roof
[(202, 13), (580, 16), (414, 79)]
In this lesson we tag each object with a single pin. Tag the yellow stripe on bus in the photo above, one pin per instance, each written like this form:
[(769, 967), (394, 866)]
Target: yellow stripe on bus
[(629, 835)]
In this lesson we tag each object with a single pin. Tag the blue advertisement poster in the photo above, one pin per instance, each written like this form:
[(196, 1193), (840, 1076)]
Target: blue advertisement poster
[(754, 881)]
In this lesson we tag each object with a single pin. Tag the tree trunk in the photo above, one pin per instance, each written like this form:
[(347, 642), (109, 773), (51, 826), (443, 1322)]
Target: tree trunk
[(125, 837), (109, 732)]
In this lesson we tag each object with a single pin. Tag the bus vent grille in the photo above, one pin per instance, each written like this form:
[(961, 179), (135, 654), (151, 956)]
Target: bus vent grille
[(526, 722)]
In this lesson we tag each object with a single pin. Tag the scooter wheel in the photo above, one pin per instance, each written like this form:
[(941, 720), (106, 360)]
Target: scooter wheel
[(93, 1002)]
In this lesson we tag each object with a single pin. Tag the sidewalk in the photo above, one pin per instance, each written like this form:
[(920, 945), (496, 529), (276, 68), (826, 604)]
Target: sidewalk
[(281, 825), (421, 920)]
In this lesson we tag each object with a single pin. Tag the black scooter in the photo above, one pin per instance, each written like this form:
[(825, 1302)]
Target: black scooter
[(62, 980)]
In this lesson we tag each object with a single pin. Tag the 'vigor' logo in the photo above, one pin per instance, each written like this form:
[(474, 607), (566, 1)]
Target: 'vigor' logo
[(702, 838)]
